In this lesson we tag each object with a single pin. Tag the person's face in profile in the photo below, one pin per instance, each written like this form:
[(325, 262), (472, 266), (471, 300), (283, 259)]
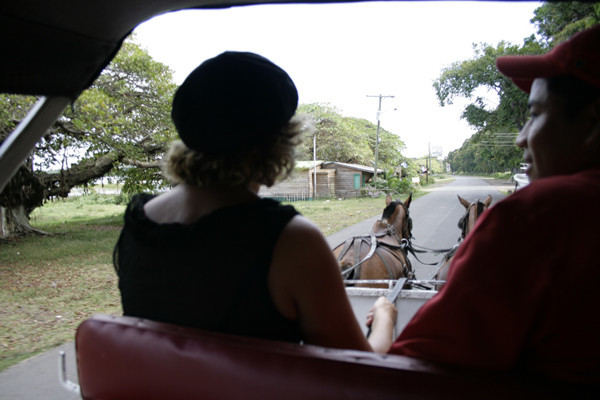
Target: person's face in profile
[(553, 143)]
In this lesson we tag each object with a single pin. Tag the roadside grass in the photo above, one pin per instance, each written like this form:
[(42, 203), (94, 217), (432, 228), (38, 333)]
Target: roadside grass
[(494, 175), (49, 284), (333, 215)]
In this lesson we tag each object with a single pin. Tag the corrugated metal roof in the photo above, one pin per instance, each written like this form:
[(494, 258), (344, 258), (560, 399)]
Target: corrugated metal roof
[(307, 164), (357, 167)]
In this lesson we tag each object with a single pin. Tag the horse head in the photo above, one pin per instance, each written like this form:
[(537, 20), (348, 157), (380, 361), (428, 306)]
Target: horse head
[(396, 214), (465, 224), (473, 212)]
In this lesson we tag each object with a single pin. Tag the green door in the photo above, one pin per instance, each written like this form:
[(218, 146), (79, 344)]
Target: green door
[(357, 183)]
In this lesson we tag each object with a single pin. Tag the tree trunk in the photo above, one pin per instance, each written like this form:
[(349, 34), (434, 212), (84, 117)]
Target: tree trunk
[(27, 190), (15, 222), (22, 194)]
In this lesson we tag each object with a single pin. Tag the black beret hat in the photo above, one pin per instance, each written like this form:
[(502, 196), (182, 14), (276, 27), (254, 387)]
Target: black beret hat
[(232, 101)]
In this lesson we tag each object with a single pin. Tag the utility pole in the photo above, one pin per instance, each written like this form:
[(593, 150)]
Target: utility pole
[(428, 163), (315, 165), (377, 139)]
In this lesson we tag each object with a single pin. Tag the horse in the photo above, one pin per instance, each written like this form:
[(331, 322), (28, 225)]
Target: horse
[(466, 223), (381, 254)]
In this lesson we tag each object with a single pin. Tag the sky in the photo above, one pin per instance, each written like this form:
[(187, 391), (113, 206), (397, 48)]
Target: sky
[(342, 54)]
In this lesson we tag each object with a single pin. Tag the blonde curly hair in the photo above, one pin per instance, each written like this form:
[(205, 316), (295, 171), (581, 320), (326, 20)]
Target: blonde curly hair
[(264, 164)]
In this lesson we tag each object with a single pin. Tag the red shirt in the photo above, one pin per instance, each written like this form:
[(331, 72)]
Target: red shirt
[(522, 292)]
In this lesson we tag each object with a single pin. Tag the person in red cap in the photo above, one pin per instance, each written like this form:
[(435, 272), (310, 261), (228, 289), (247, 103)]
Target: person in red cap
[(210, 253), (521, 294)]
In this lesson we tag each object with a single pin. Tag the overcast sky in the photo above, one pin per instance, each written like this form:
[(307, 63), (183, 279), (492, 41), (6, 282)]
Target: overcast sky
[(342, 53)]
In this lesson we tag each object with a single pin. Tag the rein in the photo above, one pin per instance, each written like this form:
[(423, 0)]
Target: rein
[(413, 251), (462, 224), (449, 254)]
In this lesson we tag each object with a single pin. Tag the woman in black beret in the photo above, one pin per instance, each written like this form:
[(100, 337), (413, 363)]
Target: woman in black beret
[(212, 254)]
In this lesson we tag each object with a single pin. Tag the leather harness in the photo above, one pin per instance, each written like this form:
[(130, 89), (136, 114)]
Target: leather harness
[(386, 241)]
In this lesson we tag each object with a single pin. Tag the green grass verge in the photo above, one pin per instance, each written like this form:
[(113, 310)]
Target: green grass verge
[(50, 284)]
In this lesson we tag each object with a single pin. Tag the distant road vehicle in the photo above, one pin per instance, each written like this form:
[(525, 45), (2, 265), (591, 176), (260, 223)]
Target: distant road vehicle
[(521, 180)]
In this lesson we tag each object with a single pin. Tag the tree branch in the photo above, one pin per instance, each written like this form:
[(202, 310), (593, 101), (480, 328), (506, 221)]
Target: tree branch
[(61, 183), (142, 164)]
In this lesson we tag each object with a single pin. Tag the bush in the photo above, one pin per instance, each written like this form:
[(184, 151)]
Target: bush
[(122, 199), (402, 186), (503, 175), (392, 185), (425, 180)]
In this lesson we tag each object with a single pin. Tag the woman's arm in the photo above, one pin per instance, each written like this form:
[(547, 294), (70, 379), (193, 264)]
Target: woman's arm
[(382, 320), (306, 284)]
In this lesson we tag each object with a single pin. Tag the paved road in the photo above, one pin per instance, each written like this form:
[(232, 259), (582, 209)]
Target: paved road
[(434, 215)]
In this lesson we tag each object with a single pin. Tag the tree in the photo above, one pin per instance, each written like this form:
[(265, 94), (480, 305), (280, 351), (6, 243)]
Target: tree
[(338, 139), (349, 139), (121, 125), (496, 105), (485, 152), (557, 21), (390, 146), (437, 167)]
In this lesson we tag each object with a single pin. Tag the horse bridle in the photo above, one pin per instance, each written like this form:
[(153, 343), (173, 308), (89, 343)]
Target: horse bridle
[(406, 231), (463, 222)]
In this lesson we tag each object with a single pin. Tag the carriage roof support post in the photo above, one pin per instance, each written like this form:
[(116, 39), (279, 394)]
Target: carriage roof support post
[(377, 138), (18, 145)]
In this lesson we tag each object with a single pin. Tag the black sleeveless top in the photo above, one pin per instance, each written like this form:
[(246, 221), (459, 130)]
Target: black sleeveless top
[(209, 275)]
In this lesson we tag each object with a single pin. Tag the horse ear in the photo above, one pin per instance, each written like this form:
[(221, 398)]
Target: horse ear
[(408, 201), (488, 200), (388, 200), (464, 202)]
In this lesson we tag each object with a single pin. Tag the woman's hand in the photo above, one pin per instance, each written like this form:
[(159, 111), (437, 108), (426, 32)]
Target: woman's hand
[(382, 319), (382, 307)]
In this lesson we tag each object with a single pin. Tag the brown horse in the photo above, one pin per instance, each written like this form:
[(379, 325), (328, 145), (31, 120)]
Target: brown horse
[(466, 224), (381, 254)]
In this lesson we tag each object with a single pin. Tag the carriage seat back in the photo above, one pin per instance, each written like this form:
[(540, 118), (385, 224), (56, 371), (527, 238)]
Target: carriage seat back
[(131, 358)]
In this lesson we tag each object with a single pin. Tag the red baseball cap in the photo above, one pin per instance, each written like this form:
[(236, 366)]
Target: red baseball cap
[(579, 56)]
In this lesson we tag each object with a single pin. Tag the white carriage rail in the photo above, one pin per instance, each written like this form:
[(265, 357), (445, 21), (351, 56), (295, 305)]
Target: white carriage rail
[(408, 302)]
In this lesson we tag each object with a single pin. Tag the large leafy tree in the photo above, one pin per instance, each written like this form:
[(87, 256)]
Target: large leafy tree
[(337, 138), (349, 139), (485, 152), (557, 21), (120, 125), (495, 105)]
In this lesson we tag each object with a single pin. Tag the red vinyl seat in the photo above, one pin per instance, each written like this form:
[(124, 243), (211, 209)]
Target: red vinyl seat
[(131, 358)]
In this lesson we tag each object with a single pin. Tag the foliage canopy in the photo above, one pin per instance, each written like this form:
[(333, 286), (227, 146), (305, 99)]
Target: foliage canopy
[(120, 125), (497, 108), (349, 139)]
